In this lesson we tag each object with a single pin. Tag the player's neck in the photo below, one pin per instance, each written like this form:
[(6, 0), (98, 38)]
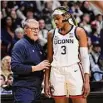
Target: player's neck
[(66, 28)]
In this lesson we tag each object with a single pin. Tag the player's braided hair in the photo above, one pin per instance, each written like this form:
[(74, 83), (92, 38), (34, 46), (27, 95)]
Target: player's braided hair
[(66, 12)]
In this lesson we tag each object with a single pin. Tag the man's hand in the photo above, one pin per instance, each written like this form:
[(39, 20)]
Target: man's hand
[(86, 86), (42, 65)]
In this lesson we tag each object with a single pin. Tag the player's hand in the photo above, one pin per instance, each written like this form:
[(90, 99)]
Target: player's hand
[(86, 89), (47, 89), (43, 65)]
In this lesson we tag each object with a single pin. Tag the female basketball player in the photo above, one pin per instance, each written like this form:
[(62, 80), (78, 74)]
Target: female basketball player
[(69, 75)]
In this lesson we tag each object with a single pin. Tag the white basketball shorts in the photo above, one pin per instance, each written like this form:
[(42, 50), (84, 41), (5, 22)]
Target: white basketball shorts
[(67, 81)]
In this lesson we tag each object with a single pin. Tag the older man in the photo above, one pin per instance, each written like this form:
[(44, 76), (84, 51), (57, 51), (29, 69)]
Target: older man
[(28, 62)]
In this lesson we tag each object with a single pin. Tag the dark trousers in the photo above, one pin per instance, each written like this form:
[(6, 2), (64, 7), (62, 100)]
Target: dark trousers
[(26, 95)]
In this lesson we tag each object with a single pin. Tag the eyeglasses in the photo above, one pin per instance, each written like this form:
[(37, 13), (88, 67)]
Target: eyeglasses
[(33, 29)]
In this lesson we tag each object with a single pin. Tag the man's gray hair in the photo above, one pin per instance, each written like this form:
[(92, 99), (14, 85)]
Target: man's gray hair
[(26, 22)]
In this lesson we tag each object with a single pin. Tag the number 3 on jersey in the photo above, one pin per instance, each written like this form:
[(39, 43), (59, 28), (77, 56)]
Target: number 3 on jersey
[(63, 50)]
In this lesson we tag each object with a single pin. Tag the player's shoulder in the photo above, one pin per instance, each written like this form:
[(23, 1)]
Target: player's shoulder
[(51, 32), (80, 31)]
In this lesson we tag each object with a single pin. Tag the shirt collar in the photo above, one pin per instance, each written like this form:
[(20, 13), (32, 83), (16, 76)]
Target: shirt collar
[(30, 40)]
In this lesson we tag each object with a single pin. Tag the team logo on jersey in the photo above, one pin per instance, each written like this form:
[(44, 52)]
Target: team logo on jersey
[(62, 41), (56, 38), (71, 35)]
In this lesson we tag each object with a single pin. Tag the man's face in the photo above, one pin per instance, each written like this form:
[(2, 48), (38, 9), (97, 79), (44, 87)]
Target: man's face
[(32, 30)]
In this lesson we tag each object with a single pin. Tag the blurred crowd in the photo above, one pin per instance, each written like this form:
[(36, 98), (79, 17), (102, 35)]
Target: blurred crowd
[(14, 13)]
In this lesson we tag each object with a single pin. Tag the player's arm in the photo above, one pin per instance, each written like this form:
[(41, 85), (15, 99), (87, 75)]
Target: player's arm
[(84, 56), (49, 57), (81, 34), (50, 54)]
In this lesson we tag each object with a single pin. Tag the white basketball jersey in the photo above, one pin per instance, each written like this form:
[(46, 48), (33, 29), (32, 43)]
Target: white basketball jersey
[(65, 48)]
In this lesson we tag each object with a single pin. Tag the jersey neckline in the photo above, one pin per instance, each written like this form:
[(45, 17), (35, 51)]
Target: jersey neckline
[(67, 32)]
